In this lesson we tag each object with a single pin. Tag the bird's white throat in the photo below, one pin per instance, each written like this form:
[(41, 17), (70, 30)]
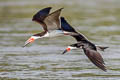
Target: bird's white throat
[(72, 48), (46, 35)]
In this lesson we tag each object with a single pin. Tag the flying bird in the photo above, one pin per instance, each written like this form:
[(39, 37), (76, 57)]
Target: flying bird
[(50, 22), (88, 47)]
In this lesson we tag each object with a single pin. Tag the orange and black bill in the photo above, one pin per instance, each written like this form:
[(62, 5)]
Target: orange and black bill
[(30, 40), (66, 50)]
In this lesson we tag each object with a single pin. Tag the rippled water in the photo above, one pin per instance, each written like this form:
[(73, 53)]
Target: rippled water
[(99, 20)]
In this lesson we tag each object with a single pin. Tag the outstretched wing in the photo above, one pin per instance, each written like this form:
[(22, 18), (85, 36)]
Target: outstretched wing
[(41, 15), (52, 20), (95, 57), (66, 26)]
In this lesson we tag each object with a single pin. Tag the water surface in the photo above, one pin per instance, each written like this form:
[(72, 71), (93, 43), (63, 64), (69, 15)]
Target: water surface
[(98, 20)]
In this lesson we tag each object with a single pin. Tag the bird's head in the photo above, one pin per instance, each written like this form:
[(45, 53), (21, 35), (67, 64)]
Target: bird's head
[(36, 36), (69, 48), (31, 39)]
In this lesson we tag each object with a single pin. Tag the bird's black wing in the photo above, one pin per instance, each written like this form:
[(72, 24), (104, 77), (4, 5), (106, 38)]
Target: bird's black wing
[(66, 26), (40, 16), (95, 58)]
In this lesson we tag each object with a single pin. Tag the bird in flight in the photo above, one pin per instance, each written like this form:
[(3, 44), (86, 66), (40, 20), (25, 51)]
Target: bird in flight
[(88, 47), (51, 24)]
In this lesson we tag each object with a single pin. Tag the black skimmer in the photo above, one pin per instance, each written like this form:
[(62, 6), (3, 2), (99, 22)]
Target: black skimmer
[(50, 23), (88, 47)]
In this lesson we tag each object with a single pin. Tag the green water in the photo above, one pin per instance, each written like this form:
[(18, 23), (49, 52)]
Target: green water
[(98, 20)]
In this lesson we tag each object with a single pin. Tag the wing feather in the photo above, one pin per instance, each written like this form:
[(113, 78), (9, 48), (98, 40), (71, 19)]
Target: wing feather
[(52, 20), (96, 58), (40, 16)]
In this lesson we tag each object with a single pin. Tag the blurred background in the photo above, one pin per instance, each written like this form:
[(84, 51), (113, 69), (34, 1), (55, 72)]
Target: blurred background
[(98, 20)]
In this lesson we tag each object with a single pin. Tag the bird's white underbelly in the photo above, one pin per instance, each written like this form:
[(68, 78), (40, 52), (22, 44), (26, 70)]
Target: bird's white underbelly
[(55, 33)]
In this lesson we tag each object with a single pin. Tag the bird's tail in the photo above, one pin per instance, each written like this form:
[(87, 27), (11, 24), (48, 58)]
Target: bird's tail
[(102, 48)]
